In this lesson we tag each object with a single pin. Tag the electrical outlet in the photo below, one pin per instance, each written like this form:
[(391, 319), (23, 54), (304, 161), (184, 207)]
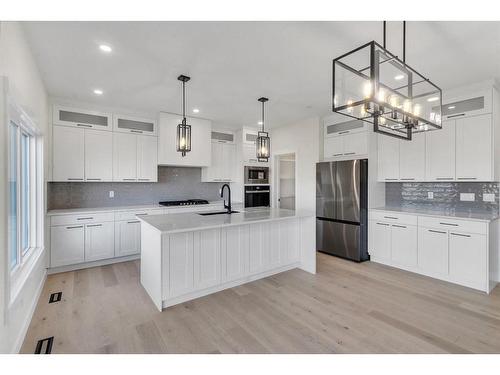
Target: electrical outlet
[(488, 197), (111, 194), (430, 195), (468, 197)]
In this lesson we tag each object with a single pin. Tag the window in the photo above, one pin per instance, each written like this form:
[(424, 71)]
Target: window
[(12, 231)]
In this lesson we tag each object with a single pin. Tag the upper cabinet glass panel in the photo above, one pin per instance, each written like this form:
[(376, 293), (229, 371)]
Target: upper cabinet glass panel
[(81, 118)]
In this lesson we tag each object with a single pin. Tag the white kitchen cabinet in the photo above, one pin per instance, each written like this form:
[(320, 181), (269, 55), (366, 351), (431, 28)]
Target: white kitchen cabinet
[(440, 153), (404, 245), (250, 155), (68, 152), (380, 241), (222, 168), (207, 262), (127, 237), (134, 124), (468, 259), (288, 247), (235, 247), (474, 157), (98, 155), (201, 145), (124, 157), (346, 144), (67, 245), (99, 241), (412, 158), (333, 147), (81, 118), (433, 251), (259, 245), (147, 163), (388, 158), (180, 264)]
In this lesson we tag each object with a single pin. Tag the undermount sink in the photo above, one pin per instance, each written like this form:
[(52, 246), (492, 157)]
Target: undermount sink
[(217, 213)]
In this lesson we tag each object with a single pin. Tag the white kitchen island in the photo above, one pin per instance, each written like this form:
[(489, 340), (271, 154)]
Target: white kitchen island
[(187, 255)]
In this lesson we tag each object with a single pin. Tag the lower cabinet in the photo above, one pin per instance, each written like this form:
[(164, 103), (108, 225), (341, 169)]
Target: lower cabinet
[(99, 241), (235, 258), (67, 245), (404, 245), (433, 251), (127, 238), (380, 241), (467, 259)]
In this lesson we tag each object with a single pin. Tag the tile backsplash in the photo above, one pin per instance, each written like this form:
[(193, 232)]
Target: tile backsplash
[(446, 195), (173, 183)]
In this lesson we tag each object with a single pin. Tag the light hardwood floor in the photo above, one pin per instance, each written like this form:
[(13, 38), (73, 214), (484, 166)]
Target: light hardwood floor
[(345, 308)]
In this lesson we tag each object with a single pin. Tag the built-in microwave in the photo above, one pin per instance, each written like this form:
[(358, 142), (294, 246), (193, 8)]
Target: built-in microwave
[(256, 175)]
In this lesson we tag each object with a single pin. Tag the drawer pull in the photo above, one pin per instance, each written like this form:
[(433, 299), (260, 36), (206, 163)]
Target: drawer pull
[(460, 235), (452, 116), (408, 179), (75, 227), (337, 154), (390, 217), (143, 214), (436, 231), (136, 131), (467, 178), (133, 222), (83, 125), (344, 132), (84, 218), (93, 179), (94, 225), (384, 224), (129, 179), (453, 225), (444, 178), (75, 179), (143, 179), (349, 153), (398, 226), (391, 179)]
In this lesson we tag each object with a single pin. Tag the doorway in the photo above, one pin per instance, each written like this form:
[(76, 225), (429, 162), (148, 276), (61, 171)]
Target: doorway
[(285, 182)]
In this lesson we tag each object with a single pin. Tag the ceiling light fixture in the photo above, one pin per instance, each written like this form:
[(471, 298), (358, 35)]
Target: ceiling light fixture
[(196, 110), (105, 48), (364, 88), (259, 123), (263, 141), (451, 107), (98, 92), (183, 141)]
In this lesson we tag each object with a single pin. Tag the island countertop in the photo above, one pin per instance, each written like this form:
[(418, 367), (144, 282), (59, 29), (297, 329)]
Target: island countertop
[(186, 222)]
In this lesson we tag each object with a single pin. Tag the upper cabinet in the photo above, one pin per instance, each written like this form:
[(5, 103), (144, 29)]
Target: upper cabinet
[(440, 153), (201, 145), (344, 139), (134, 125), (412, 158), (68, 154), (81, 118), (223, 163), (134, 158), (388, 158)]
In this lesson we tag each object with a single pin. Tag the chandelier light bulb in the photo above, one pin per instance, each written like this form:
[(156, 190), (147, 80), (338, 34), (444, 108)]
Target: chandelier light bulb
[(349, 106), (381, 95), (367, 89)]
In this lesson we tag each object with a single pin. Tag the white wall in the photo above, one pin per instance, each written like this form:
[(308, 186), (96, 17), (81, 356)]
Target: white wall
[(27, 89)]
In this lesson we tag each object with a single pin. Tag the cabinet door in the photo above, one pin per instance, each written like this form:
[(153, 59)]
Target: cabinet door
[(388, 158), (440, 153), (235, 252), (228, 161), (207, 258), (474, 148), (355, 144), (68, 147), (98, 155), (181, 264), (412, 158), (217, 167), (259, 243), (250, 154), (333, 147), (147, 163), (127, 238), (433, 251), (380, 241), (67, 245), (99, 241), (468, 262), (404, 245), (124, 157)]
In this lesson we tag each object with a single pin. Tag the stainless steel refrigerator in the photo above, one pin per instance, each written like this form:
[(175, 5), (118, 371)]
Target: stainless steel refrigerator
[(341, 209)]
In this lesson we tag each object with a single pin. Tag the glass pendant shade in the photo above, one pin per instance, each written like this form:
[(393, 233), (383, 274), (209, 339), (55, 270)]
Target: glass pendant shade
[(372, 84), (183, 137), (263, 143)]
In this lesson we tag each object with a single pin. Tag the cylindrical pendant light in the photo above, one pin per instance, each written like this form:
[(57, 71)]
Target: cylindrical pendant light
[(263, 141), (183, 129)]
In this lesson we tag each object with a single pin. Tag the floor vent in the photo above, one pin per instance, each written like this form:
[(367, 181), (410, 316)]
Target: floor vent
[(55, 297), (44, 346)]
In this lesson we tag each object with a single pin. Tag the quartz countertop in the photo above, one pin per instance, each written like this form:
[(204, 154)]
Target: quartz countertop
[(192, 221), (71, 211), (459, 214)]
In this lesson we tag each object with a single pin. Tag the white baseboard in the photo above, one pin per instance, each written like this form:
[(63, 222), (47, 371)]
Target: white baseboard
[(97, 263)]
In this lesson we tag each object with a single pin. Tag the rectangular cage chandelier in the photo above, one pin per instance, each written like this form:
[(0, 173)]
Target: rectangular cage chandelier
[(373, 85)]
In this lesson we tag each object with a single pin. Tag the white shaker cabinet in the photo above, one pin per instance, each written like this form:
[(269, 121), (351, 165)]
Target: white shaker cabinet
[(98, 155), (207, 259), (440, 153), (235, 252), (474, 148), (412, 158), (124, 157), (404, 245), (67, 245), (99, 241), (68, 154), (147, 163), (467, 259), (388, 158), (222, 168), (127, 237), (433, 251), (180, 264), (333, 147), (380, 241)]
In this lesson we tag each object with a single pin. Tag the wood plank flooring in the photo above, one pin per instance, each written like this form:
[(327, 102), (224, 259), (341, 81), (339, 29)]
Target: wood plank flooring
[(344, 308)]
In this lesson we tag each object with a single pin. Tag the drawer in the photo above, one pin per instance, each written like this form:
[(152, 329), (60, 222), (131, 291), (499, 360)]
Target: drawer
[(131, 215), (82, 218), (393, 217), (451, 224)]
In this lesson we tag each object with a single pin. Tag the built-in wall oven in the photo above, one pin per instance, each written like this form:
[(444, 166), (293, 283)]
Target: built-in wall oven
[(256, 175), (257, 196)]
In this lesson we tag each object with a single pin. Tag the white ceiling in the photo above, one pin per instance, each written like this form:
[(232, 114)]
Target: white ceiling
[(234, 63)]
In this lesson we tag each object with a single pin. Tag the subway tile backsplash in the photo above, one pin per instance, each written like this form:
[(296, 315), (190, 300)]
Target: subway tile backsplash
[(174, 183), (446, 195)]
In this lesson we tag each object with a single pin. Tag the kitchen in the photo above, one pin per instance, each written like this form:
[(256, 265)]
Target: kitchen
[(162, 206)]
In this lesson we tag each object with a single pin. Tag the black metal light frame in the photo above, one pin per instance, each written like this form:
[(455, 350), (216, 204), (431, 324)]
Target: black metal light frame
[(263, 142), (183, 141), (382, 109)]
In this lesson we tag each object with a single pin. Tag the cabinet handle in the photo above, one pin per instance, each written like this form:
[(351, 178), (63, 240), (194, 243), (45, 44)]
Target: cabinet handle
[(143, 214), (408, 179), (398, 226), (84, 218), (444, 178), (452, 116), (143, 179), (461, 235), (136, 131), (133, 222), (83, 125), (94, 225), (93, 179), (75, 227), (349, 153), (466, 178), (128, 179), (436, 231), (386, 225), (337, 154), (391, 179), (453, 225), (75, 179), (390, 217), (344, 132)]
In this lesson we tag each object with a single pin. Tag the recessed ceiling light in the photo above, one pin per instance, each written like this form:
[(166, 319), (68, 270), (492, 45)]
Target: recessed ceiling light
[(399, 77), (451, 107), (196, 110), (433, 99), (98, 92), (260, 123), (105, 48)]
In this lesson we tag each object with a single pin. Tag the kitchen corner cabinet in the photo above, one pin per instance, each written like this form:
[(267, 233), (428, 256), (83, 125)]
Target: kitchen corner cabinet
[(222, 168), (135, 158)]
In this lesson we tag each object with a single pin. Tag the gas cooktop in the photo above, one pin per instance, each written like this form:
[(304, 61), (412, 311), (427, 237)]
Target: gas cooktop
[(188, 202)]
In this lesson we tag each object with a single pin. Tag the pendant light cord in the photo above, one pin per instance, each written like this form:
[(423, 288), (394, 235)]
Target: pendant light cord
[(184, 101), (384, 27), (404, 42), (262, 116)]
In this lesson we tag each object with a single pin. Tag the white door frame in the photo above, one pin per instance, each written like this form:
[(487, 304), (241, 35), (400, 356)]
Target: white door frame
[(275, 178)]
